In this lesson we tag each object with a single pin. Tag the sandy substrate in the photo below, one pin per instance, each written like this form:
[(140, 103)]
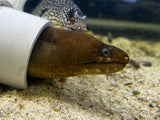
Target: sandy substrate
[(129, 94)]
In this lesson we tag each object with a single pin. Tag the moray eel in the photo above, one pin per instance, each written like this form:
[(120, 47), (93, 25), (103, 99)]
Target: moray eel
[(65, 14), (62, 53)]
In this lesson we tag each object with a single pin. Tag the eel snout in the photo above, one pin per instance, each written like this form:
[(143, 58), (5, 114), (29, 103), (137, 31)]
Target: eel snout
[(61, 53)]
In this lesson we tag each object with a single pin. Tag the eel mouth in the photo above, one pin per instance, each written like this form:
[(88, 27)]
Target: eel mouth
[(124, 61), (95, 62), (102, 67)]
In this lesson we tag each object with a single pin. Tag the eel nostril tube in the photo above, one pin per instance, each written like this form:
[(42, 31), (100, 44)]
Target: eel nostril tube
[(126, 58), (18, 34)]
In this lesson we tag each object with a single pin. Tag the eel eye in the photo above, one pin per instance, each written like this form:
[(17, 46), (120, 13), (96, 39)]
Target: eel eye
[(72, 20), (106, 52)]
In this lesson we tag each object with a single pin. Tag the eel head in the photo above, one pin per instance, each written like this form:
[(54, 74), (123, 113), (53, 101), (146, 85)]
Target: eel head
[(62, 53)]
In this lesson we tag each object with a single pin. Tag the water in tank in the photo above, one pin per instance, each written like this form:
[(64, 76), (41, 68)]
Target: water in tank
[(134, 92)]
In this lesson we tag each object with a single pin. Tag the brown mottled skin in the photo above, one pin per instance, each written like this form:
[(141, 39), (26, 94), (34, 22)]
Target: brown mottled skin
[(63, 53)]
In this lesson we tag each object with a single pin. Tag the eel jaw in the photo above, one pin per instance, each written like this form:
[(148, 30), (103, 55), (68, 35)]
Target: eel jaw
[(104, 66), (100, 68)]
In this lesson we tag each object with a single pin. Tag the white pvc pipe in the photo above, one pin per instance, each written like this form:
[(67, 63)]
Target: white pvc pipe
[(18, 34), (5, 3), (17, 4)]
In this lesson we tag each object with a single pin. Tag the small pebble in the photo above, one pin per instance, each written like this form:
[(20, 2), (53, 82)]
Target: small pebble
[(135, 92), (128, 83), (150, 105), (135, 118), (110, 89), (147, 64), (141, 81), (134, 64), (113, 83)]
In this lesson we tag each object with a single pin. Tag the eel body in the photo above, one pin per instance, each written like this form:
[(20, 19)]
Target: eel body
[(63, 13), (62, 53)]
